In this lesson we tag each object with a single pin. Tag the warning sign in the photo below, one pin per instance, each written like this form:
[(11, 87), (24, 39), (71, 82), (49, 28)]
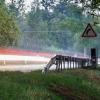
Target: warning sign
[(89, 32)]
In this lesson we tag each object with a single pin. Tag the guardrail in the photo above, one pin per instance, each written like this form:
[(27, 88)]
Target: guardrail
[(72, 62)]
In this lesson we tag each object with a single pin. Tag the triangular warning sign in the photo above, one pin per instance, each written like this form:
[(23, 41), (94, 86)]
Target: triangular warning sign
[(89, 32)]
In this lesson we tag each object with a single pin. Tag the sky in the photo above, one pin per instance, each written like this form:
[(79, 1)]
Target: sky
[(27, 3)]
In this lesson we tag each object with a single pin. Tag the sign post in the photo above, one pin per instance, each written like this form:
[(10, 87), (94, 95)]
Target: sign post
[(88, 33), (93, 57)]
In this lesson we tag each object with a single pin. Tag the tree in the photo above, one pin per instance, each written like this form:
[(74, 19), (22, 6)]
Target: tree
[(17, 7), (52, 24), (8, 29)]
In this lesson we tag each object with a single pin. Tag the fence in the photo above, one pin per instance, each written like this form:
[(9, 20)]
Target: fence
[(71, 62)]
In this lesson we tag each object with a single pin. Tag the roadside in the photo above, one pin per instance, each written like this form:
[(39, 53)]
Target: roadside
[(78, 84)]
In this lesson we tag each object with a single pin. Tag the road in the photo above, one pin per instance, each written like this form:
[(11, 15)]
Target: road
[(22, 63), (27, 64)]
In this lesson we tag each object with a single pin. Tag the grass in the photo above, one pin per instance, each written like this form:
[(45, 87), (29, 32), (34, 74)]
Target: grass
[(75, 84)]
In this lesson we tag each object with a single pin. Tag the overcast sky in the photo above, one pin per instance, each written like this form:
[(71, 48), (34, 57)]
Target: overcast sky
[(27, 3)]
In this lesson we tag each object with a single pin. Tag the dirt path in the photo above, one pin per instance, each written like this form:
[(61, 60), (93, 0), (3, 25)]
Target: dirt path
[(68, 93)]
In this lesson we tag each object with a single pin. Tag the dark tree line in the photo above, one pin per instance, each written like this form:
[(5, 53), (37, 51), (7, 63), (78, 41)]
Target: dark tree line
[(50, 24)]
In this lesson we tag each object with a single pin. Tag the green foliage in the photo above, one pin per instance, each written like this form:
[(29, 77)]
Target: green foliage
[(16, 7), (56, 21), (35, 85), (8, 29), (56, 26)]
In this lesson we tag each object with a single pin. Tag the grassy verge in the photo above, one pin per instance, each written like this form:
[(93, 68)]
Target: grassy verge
[(67, 85)]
